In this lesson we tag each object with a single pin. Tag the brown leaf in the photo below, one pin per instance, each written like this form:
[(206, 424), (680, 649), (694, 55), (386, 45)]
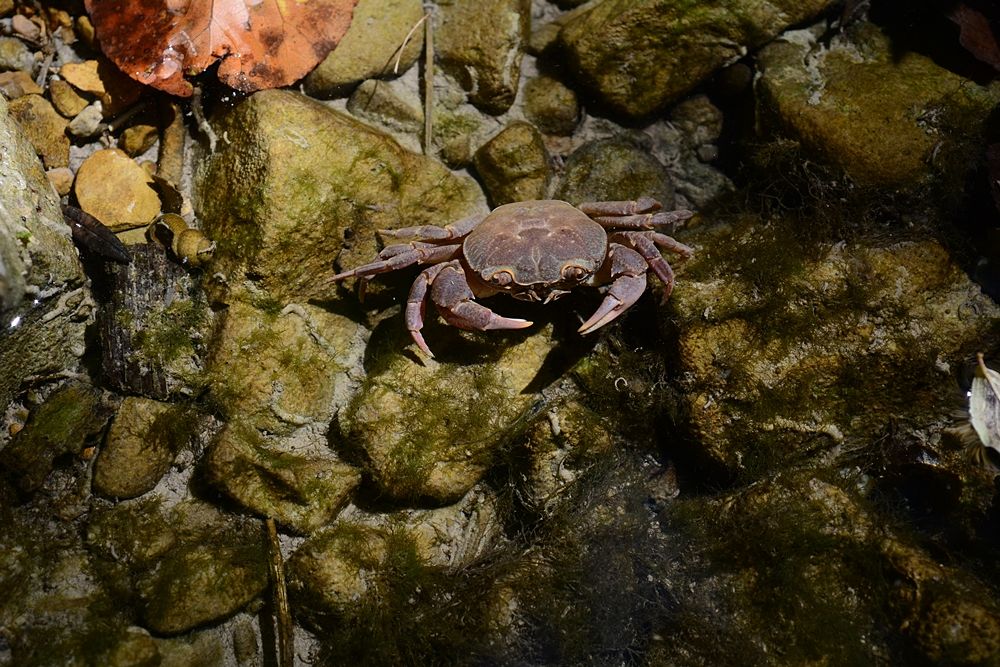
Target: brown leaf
[(259, 43), (976, 34)]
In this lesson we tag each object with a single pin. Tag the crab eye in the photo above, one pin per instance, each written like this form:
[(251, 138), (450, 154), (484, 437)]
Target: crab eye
[(574, 273), (502, 278)]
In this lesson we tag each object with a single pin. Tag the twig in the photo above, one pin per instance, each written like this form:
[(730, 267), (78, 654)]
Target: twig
[(170, 161), (428, 82), (286, 639), (406, 40), (199, 116)]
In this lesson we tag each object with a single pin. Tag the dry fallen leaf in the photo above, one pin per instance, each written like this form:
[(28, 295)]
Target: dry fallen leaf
[(984, 406), (259, 43)]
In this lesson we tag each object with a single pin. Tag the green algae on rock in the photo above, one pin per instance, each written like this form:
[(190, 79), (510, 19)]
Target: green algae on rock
[(299, 178), (613, 170), (639, 55), (480, 43), (428, 432), (780, 344), (514, 165), (279, 371), (45, 128), (551, 106), (886, 119), (140, 447), (61, 425), (301, 484)]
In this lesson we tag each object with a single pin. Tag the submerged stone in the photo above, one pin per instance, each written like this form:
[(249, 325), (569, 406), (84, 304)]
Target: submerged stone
[(481, 43), (613, 170), (779, 343), (427, 432), (302, 485), (278, 371), (638, 55), (302, 178), (514, 165), (885, 118)]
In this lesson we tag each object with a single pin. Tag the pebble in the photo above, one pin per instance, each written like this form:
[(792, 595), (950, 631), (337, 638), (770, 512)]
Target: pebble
[(138, 139), (87, 123), (25, 27), (114, 189), (99, 77), (45, 128), (65, 99), (61, 179), (15, 55), (17, 83)]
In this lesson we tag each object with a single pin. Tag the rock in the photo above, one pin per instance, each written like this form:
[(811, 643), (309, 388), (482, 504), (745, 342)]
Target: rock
[(302, 485), (941, 609), (302, 178), (65, 99), (886, 119), (336, 573), (44, 306), (637, 56), (44, 127), (611, 170), (281, 371), (140, 447), (15, 55), (61, 425), (61, 179), (114, 189), (87, 123), (6, 7), (132, 536), (455, 129), (394, 107), (101, 78), (138, 139), (370, 47), (136, 648), (24, 27), (153, 322), (480, 43), (413, 427), (551, 106), (200, 583), (826, 344), (514, 165), (17, 83)]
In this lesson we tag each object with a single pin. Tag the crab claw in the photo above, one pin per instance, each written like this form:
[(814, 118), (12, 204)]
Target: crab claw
[(624, 292), (452, 295)]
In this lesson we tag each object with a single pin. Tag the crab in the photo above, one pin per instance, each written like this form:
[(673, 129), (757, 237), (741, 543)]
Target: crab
[(535, 251)]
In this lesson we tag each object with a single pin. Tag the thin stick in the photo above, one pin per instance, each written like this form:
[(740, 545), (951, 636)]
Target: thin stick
[(428, 82), (199, 116), (286, 638), (406, 40), (170, 161)]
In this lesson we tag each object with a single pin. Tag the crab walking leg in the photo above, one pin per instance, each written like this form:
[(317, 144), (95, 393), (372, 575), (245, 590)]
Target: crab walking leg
[(400, 256), (451, 293), (416, 304), (643, 205), (628, 272), (455, 230), (644, 220), (647, 244)]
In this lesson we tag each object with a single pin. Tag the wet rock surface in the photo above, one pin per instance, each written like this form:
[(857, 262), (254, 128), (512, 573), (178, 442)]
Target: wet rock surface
[(771, 467)]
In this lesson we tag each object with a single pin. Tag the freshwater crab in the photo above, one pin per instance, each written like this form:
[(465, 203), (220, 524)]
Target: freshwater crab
[(534, 251)]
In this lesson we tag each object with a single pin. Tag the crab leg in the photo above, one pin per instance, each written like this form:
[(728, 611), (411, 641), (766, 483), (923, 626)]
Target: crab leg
[(416, 304), (456, 230), (643, 205), (645, 243), (628, 271), (643, 220), (401, 255)]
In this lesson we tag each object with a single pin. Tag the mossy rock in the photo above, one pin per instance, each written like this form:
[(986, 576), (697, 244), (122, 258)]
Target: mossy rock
[(889, 120), (514, 165), (614, 169), (301, 178)]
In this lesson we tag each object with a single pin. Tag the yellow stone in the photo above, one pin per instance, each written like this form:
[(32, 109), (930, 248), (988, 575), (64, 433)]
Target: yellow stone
[(115, 190), (65, 99), (17, 83), (45, 128), (61, 179), (138, 139), (101, 78)]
